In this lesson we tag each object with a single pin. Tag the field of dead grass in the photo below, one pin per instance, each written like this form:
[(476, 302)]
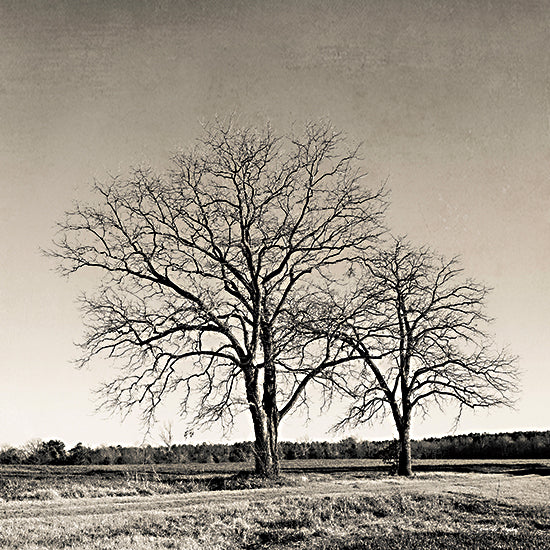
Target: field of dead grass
[(344, 509)]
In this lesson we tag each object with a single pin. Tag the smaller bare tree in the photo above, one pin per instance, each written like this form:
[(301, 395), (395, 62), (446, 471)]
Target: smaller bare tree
[(166, 435), (419, 327)]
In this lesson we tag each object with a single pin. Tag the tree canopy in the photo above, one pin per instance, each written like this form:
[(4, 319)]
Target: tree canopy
[(420, 328), (203, 267)]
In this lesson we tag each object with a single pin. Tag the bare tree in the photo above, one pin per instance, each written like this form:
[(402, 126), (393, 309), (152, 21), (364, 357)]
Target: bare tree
[(201, 268), (419, 327), (166, 435)]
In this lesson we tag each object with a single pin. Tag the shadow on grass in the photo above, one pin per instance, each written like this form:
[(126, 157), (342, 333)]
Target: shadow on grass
[(486, 468), (443, 540), (531, 470), (496, 467)]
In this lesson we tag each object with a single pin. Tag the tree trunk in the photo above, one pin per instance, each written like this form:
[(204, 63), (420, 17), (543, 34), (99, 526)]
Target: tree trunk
[(265, 421), (265, 444), (269, 403), (269, 465), (404, 460)]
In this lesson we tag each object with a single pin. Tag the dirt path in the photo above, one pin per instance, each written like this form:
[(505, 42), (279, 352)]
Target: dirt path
[(526, 490)]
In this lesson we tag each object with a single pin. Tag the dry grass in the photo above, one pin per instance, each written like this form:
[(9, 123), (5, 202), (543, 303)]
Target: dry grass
[(52, 482), (392, 520), (63, 483), (345, 509)]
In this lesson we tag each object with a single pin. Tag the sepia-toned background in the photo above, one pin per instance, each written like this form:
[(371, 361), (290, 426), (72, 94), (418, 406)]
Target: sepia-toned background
[(450, 99)]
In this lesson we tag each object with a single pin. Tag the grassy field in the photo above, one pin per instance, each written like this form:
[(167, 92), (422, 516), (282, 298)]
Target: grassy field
[(319, 505), (25, 482)]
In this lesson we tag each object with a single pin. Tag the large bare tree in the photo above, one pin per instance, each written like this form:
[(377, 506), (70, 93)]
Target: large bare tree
[(201, 268), (420, 329)]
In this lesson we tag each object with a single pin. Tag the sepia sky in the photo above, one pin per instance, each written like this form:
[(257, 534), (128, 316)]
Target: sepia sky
[(451, 100)]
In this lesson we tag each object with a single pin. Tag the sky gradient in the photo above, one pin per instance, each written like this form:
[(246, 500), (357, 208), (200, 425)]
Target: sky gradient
[(451, 101)]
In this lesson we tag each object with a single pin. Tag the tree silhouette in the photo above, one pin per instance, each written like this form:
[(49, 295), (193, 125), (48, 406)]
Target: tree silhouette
[(203, 267), (419, 327)]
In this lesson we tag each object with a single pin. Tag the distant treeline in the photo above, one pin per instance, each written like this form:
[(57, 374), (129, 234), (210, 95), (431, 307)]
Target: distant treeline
[(513, 445)]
